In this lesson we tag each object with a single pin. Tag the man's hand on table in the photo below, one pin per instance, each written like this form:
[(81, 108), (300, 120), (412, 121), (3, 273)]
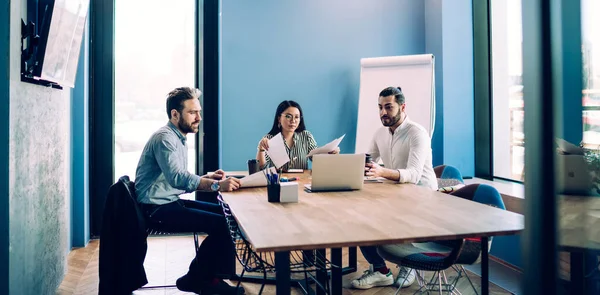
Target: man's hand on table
[(218, 175), (229, 184)]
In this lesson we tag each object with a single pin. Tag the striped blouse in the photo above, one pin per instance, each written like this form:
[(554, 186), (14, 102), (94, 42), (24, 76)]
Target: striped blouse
[(304, 142)]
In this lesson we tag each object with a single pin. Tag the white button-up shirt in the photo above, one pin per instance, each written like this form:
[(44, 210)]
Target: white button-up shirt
[(407, 150)]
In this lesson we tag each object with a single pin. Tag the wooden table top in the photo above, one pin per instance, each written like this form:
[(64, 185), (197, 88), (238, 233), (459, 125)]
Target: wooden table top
[(380, 213)]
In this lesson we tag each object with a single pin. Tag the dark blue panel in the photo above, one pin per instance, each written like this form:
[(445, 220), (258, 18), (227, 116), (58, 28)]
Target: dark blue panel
[(4, 141), (80, 221), (433, 45)]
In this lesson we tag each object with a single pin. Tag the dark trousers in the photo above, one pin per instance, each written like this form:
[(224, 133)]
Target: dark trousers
[(372, 257), (216, 255)]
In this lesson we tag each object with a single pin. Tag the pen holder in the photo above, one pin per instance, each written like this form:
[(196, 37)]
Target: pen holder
[(274, 193), (252, 166), (284, 192)]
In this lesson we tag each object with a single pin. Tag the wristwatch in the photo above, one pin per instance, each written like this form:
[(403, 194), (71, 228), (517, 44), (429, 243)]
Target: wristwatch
[(215, 186)]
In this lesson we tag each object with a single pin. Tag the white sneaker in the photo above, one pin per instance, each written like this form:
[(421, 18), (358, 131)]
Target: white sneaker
[(371, 279), (406, 277)]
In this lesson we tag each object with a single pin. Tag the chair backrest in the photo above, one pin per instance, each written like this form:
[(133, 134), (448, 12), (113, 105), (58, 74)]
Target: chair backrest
[(250, 260), (448, 172), (481, 193), (123, 247), (151, 228), (484, 194), (129, 186), (449, 178)]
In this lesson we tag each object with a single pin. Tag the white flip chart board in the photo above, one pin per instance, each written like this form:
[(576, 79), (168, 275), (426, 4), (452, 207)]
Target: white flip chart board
[(413, 73)]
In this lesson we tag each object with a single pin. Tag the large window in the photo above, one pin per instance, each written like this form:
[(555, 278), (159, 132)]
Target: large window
[(507, 85), (591, 71), (507, 88), (154, 53)]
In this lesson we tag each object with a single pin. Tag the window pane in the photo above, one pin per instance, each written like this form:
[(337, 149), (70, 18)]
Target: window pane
[(507, 88), (151, 58), (591, 71)]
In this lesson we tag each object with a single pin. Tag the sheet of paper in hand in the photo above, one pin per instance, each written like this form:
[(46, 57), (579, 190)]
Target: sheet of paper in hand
[(327, 148), (256, 179), (277, 151)]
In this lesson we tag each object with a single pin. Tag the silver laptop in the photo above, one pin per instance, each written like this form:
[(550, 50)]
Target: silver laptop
[(573, 175), (337, 172)]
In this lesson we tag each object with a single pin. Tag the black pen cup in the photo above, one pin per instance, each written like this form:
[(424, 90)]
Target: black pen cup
[(274, 193), (368, 159), (252, 166)]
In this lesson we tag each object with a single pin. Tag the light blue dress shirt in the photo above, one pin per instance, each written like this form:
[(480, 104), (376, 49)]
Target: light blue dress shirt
[(162, 175)]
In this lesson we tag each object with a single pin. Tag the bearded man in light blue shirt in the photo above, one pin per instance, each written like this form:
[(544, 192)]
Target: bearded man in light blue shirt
[(162, 176)]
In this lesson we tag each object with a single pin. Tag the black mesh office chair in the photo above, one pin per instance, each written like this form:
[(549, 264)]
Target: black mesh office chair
[(306, 262)]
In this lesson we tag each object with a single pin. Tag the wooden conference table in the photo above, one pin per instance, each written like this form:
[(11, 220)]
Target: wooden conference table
[(380, 213)]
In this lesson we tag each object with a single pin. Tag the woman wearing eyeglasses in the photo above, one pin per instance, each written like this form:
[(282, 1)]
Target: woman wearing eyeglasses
[(298, 141)]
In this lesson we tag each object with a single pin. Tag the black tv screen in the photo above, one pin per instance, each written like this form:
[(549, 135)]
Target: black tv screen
[(61, 26)]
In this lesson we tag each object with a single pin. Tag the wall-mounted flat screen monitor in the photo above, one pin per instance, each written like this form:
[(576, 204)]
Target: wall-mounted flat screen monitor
[(61, 26)]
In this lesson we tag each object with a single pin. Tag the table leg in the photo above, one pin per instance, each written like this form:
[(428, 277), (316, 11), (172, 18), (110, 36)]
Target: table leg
[(485, 275), (322, 276), (282, 275), (336, 271), (577, 285), (352, 258)]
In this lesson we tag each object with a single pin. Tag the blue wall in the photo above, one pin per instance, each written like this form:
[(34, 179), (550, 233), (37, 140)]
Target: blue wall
[(572, 128), (80, 220), (458, 111), (4, 143), (308, 51), (449, 36), (508, 248)]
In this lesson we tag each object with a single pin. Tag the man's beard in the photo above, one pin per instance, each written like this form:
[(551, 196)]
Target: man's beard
[(185, 127), (391, 121)]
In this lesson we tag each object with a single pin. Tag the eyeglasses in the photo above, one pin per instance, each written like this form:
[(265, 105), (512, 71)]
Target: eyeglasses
[(292, 118)]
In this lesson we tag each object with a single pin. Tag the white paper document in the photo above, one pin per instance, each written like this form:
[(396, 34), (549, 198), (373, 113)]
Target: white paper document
[(374, 179), (256, 179), (277, 151), (326, 148)]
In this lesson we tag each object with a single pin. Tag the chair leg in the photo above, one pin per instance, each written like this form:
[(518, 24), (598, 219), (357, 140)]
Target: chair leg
[(432, 282), (402, 284), (398, 291), (451, 287), (463, 270), (439, 274), (264, 282), (240, 279), (306, 277), (420, 277)]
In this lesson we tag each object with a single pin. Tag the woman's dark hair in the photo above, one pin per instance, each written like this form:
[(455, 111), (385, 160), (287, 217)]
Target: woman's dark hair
[(282, 107)]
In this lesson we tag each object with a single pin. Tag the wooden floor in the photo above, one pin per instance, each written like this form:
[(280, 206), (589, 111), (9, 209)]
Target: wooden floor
[(168, 258)]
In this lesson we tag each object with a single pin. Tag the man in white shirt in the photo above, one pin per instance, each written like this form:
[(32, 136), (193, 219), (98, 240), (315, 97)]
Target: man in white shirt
[(405, 149)]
